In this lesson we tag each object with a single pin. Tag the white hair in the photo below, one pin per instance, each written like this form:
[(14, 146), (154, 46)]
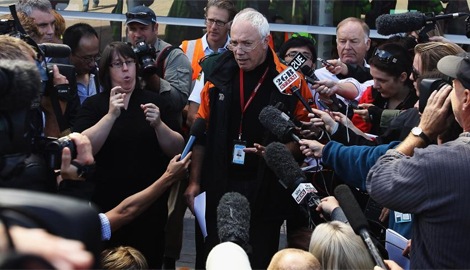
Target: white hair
[(257, 20)]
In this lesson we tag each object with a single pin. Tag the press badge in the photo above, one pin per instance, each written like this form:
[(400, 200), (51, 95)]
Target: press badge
[(238, 156), (402, 217)]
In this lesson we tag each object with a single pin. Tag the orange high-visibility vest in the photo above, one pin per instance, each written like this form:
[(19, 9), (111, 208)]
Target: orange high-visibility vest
[(194, 51)]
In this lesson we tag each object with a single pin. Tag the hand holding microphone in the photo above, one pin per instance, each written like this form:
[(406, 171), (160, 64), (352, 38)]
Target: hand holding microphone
[(196, 132), (323, 119), (311, 148), (335, 66), (358, 221)]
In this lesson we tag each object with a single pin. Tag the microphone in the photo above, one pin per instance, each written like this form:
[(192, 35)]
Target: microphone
[(358, 221), (285, 79), (233, 219), (309, 74), (19, 84), (278, 123), (197, 131), (388, 24), (310, 77), (55, 50), (280, 106), (283, 164)]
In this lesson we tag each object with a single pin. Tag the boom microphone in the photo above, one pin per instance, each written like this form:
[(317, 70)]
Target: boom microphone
[(197, 131), (278, 123), (55, 50), (388, 24), (233, 219), (358, 221), (19, 84)]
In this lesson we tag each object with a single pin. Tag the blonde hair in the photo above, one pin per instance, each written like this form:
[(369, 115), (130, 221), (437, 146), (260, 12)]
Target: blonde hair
[(123, 257), (336, 246), (15, 49), (294, 259), (432, 52)]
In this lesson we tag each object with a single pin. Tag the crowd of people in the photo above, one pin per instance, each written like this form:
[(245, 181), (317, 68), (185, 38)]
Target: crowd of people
[(391, 122)]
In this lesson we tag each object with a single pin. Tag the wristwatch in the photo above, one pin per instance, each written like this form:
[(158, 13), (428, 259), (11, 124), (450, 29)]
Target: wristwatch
[(418, 132)]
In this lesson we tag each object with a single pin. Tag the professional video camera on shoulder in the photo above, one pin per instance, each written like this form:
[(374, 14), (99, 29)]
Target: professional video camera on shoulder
[(64, 92), (20, 151), (146, 53), (427, 86)]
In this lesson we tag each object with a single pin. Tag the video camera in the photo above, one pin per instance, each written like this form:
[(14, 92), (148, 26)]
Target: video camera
[(7, 27), (426, 87), (65, 92), (146, 53), (19, 82)]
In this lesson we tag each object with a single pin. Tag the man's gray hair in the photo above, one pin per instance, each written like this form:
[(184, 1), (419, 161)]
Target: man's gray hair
[(257, 20), (27, 6)]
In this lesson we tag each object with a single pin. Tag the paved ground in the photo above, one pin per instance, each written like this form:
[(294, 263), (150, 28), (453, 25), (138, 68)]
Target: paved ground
[(188, 253)]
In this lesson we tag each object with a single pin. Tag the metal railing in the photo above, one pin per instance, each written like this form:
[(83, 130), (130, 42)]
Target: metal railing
[(318, 30)]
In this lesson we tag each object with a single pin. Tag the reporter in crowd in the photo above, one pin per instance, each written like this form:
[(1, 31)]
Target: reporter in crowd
[(391, 67), (336, 246), (59, 112), (83, 41), (294, 259), (425, 61), (136, 122), (428, 182), (123, 257), (172, 79)]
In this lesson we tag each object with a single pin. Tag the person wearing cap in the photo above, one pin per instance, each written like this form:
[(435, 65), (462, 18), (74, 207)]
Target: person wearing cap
[(173, 76), (431, 182)]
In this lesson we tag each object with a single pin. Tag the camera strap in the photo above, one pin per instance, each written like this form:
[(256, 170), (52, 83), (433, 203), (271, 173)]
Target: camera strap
[(161, 59), (58, 111)]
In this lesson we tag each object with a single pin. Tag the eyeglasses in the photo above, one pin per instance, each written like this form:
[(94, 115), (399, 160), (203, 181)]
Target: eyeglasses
[(210, 22), (89, 59), (415, 74), (117, 65), (385, 56), (292, 54), (244, 46)]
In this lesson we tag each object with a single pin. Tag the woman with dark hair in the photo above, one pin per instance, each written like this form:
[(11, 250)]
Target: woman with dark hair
[(133, 135), (390, 67)]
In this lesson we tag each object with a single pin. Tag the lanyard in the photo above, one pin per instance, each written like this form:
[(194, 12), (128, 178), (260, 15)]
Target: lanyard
[(244, 106)]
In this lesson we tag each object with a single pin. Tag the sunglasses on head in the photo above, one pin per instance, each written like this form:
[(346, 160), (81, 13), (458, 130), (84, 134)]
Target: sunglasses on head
[(139, 15), (385, 56)]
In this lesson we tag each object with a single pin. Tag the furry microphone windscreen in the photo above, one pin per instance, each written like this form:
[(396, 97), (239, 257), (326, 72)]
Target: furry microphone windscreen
[(233, 218), (19, 84)]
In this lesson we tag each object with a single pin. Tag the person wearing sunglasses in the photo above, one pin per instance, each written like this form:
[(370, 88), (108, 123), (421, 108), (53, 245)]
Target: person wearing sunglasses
[(238, 88), (83, 41), (391, 66), (172, 79), (133, 137)]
